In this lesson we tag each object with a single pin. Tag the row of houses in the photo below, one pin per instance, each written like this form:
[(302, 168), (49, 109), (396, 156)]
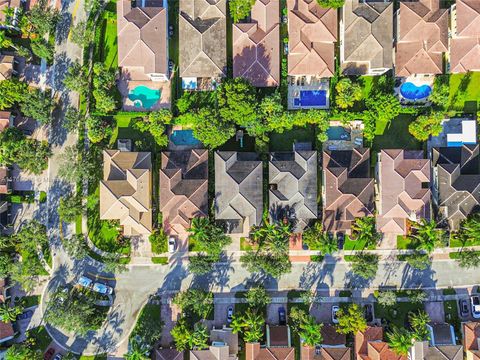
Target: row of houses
[(419, 38), (368, 344), (405, 182)]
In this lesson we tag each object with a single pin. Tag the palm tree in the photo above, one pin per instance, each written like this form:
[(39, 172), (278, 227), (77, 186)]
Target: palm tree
[(470, 229), (254, 334), (400, 340), (365, 230), (9, 313), (427, 234), (199, 229), (327, 244), (199, 337), (137, 351), (273, 236), (311, 332), (418, 322), (237, 323)]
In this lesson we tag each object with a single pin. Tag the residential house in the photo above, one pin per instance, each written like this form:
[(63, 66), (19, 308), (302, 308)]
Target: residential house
[(422, 38), (202, 41), (278, 346), (126, 190), (441, 345), (465, 39), (6, 120), (142, 39), (6, 329), (312, 34), (332, 347), (366, 36), (404, 189), (5, 182), (369, 344), (256, 45), (183, 189), (471, 337), (167, 354), (293, 187), (238, 191), (456, 182), (224, 346), (348, 189), (6, 66)]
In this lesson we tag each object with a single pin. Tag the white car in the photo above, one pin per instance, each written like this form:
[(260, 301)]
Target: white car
[(335, 309), (229, 314), (172, 244), (475, 302), (102, 288)]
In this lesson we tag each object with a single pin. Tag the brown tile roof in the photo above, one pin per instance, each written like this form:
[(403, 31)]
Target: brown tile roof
[(404, 178), (253, 351), (4, 180), (142, 37), (331, 337), (256, 45), (349, 190), (422, 38), (167, 354), (6, 67), (368, 37), (183, 188), (4, 120), (126, 189), (325, 353), (471, 335), (312, 32), (362, 338), (465, 43), (6, 331), (203, 38), (278, 335)]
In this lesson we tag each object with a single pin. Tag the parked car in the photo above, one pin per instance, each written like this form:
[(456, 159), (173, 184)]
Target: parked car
[(475, 302), (229, 314), (282, 316), (463, 306), (368, 312), (49, 354), (170, 30), (58, 357), (171, 66), (27, 314), (85, 282), (172, 244), (285, 49), (335, 309), (102, 288), (340, 240)]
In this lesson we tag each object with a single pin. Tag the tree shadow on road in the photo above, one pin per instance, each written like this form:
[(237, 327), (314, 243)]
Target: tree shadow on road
[(415, 278), (317, 276)]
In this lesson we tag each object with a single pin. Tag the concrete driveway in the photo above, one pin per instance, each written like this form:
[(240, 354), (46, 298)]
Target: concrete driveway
[(272, 313), (322, 312), (220, 314), (436, 311)]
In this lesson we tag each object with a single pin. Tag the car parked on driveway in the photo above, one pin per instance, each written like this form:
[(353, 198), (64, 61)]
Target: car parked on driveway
[(229, 314), (475, 303), (335, 309), (368, 312), (463, 306), (282, 316), (102, 288), (27, 314), (85, 281), (172, 244), (49, 354)]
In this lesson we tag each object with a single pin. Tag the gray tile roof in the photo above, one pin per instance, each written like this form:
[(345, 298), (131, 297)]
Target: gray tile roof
[(293, 186), (238, 190), (457, 189)]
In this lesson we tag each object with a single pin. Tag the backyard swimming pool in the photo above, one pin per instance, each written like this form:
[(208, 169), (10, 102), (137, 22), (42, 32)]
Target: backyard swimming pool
[(184, 138), (338, 133), (144, 97), (311, 98), (410, 91)]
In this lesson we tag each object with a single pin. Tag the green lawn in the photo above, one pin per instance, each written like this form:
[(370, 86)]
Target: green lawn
[(95, 357), (40, 337), (398, 314), (176, 88), (456, 241), (464, 92), (106, 49), (395, 135), (246, 245), (404, 242), (150, 314), (356, 244), (285, 140), (162, 260), (451, 316)]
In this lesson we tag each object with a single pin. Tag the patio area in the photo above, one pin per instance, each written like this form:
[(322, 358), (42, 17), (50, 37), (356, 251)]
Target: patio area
[(355, 140), (308, 92), (415, 89)]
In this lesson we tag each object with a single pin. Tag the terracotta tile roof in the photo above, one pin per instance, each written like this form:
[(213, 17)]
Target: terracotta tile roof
[(422, 38), (465, 43), (349, 189), (142, 37), (325, 353), (4, 180), (253, 351), (404, 178), (362, 338), (471, 335), (183, 188), (6, 331), (368, 37), (6, 67), (256, 45), (167, 354), (4, 120), (312, 32), (203, 38), (331, 337), (126, 189)]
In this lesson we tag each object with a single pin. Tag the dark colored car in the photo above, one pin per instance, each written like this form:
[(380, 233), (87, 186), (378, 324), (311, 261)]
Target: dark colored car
[(368, 312), (171, 66), (49, 354), (340, 240), (282, 316), (170, 30), (27, 314), (463, 306)]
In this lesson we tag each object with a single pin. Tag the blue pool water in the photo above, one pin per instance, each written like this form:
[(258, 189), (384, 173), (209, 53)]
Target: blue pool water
[(184, 138), (338, 133), (410, 91), (144, 97), (311, 98)]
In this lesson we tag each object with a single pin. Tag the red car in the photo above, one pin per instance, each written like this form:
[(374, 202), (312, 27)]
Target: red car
[(49, 354)]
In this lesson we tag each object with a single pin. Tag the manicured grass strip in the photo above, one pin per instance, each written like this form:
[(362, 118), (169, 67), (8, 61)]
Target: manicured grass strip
[(396, 315), (317, 258), (464, 92), (345, 293), (404, 243), (451, 316), (449, 291), (150, 314), (162, 260), (285, 140), (349, 258), (395, 135), (356, 244)]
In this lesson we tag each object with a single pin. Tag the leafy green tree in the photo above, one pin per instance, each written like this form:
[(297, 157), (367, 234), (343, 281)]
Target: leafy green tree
[(22, 352), (195, 301), (181, 334), (70, 207), (387, 298), (257, 297), (419, 260), (9, 313), (417, 296), (208, 237), (76, 79), (336, 4), (468, 259), (441, 92), (81, 34), (202, 264), (365, 265), (470, 230), (75, 246), (427, 235), (306, 327), (72, 119), (43, 18), (155, 123), (103, 88), (400, 340), (381, 108), (250, 324), (99, 128), (199, 338), (240, 9), (43, 49), (77, 165), (317, 239), (425, 126), (6, 263), (25, 274), (418, 321), (347, 93), (351, 320), (365, 231), (159, 241), (5, 41), (208, 127), (13, 91), (38, 105)]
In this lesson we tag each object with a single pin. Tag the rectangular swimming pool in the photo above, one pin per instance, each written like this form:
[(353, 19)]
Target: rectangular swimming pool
[(338, 133), (311, 98)]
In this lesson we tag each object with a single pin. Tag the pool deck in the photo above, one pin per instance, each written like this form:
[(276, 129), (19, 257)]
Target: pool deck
[(125, 85), (299, 83), (417, 80), (356, 137)]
